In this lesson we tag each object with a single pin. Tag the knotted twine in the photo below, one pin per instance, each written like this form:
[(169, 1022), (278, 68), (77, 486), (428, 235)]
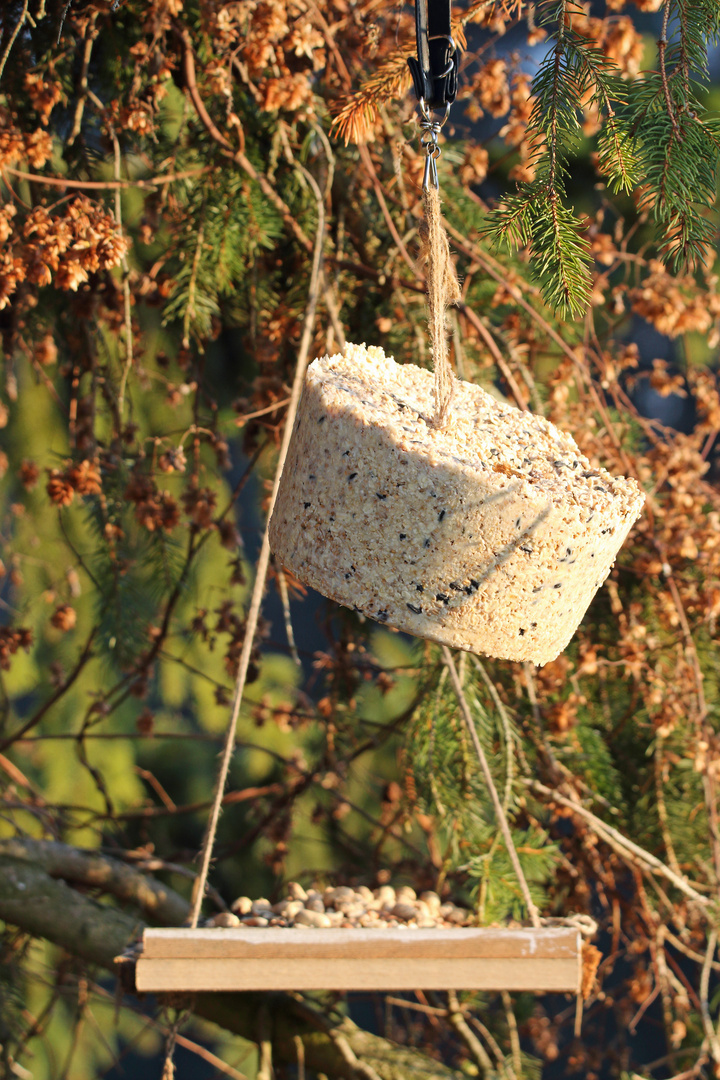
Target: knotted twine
[(443, 289)]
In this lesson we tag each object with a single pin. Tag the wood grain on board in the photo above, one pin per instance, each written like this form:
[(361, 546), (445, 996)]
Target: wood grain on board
[(276, 958)]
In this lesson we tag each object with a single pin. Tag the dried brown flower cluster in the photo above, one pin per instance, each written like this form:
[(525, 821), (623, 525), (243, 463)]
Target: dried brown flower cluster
[(16, 145), (279, 46), (81, 479), (677, 305), (12, 639), (44, 92), (63, 249), (615, 36)]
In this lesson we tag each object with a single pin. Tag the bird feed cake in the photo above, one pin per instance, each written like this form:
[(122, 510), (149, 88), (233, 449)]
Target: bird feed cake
[(491, 535)]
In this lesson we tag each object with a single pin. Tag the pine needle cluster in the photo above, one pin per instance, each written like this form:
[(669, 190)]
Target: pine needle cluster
[(450, 788), (656, 130)]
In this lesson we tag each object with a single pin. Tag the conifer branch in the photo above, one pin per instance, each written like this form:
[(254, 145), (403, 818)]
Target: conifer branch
[(622, 843), (236, 155), (502, 821), (538, 215), (356, 115), (678, 141), (553, 121)]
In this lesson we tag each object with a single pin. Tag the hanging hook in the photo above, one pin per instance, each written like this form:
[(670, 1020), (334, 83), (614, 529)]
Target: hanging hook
[(429, 139)]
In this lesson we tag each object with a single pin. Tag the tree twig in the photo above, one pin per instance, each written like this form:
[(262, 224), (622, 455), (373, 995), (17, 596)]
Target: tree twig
[(104, 185), (708, 1026), (360, 1068), (90, 35), (458, 1021), (265, 1065), (285, 597), (127, 367), (16, 31), (35, 719), (616, 839), (497, 356), (513, 1032)]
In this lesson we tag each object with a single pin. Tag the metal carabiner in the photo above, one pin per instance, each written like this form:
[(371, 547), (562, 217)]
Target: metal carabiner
[(429, 139), (427, 117)]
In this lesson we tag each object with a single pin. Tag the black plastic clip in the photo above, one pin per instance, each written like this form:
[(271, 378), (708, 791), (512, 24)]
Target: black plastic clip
[(435, 71)]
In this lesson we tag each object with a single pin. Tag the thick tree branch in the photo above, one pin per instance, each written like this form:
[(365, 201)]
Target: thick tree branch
[(40, 905), (160, 903)]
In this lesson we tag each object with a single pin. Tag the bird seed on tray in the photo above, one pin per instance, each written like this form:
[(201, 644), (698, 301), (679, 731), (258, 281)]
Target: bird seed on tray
[(343, 906)]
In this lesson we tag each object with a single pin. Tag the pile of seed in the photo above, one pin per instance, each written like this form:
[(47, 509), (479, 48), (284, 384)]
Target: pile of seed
[(344, 906)]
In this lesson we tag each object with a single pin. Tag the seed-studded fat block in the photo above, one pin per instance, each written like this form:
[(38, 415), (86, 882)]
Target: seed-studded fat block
[(491, 535)]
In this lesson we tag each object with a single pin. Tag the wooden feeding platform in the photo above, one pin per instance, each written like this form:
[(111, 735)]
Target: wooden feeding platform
[(397, 958)]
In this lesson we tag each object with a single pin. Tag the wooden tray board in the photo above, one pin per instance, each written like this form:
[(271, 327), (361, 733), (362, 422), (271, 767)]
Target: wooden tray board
[(300, 958)]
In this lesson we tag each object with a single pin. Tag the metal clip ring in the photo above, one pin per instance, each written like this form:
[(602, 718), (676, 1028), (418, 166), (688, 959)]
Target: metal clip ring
[(452, 49), (427, 114), (445, 37)]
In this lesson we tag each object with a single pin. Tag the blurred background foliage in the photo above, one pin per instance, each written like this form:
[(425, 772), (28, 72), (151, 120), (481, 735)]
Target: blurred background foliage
[(156, 231)]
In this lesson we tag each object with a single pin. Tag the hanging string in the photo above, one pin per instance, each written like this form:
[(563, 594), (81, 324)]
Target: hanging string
[(487, 774), (443, 288), (263, 562), (168, 1072)]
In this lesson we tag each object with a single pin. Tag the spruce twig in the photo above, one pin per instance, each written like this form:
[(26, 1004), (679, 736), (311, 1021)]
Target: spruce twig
[(662, 49)]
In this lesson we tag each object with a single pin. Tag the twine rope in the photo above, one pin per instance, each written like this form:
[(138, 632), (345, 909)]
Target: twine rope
[(263, 559), (443, 289)]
